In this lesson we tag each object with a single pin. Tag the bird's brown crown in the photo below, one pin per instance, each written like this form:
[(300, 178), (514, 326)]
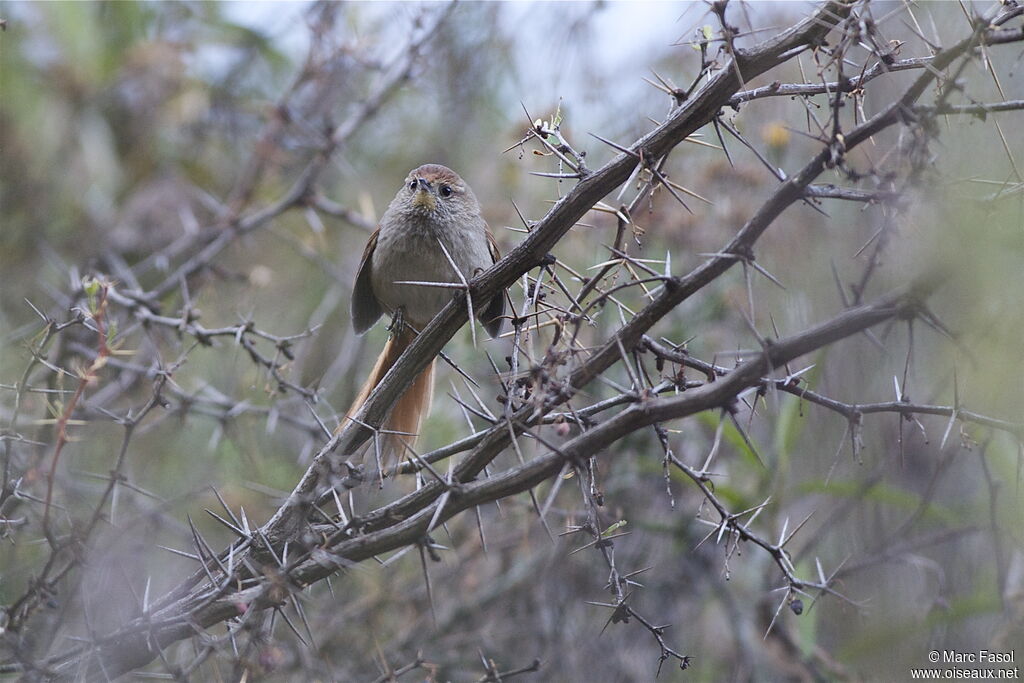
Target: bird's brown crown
[(436, 174)]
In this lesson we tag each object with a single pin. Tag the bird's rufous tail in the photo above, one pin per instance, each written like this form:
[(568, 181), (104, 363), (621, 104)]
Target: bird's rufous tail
[(410, 409)]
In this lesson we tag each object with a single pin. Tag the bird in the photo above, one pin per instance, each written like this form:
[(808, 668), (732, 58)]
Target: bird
[(434, 207)]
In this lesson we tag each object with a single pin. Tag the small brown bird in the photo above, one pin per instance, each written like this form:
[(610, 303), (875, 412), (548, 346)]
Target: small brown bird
[(435, 206)]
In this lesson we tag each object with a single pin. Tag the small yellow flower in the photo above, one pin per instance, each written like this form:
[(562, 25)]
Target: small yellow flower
[(775, 135)]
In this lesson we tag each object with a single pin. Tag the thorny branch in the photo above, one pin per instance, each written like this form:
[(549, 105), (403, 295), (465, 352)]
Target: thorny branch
[(267, 567)]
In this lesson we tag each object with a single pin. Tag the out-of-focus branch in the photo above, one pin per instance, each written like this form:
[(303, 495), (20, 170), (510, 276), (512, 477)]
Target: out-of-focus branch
[(396, 74), (980, 108)]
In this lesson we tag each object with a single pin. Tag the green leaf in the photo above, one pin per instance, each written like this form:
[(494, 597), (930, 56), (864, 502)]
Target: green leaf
[(556, 118), (611, 529), (890, 496), (790, 424), (91, 286)]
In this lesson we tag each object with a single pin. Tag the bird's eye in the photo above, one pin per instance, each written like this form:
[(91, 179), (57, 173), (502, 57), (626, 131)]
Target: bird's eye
[(446, 191), (413, 184)]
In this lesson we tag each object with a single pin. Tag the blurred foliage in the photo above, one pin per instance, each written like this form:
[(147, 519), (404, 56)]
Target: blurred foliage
[(125, 126)]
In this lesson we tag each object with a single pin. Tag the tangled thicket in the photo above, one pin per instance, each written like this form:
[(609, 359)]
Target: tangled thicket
[(687, 391)]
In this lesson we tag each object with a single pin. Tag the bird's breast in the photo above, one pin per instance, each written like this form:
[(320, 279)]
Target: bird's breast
[(415, 255)]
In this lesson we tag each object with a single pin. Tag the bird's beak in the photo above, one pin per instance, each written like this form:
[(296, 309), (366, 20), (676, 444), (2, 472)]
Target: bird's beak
[(425, 197)]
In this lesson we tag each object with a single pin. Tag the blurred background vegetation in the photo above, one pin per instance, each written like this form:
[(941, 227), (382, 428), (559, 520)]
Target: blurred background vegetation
[(126, 127)]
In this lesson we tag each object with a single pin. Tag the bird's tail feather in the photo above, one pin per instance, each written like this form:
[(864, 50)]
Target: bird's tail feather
[(412, 406)]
